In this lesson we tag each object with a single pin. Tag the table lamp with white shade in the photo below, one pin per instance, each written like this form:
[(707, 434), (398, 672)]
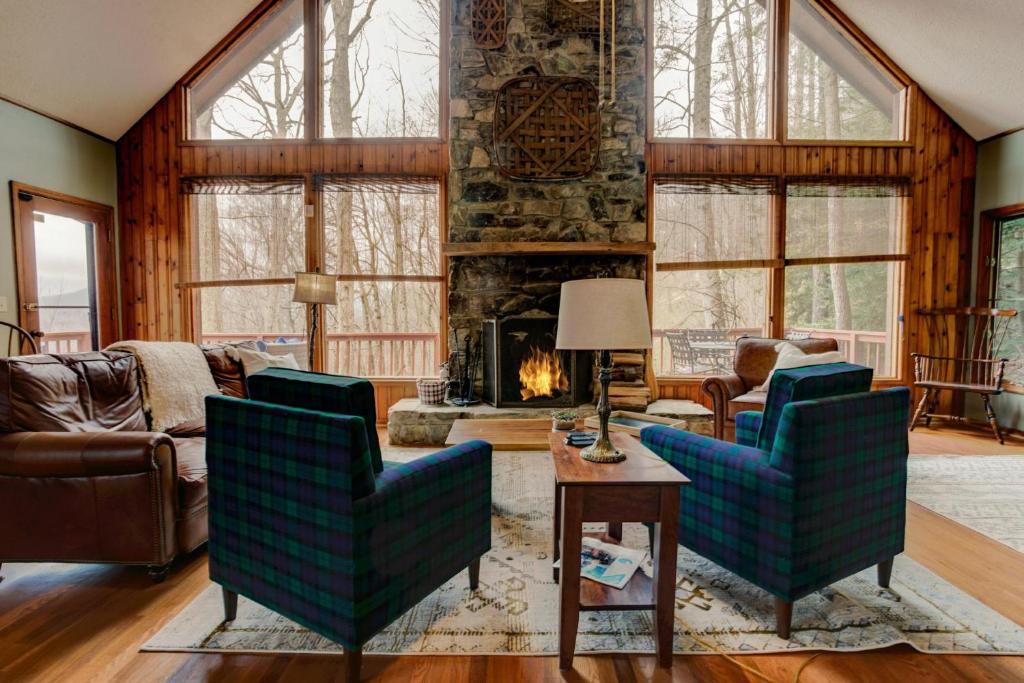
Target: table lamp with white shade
[(604, 315), (315, 289)]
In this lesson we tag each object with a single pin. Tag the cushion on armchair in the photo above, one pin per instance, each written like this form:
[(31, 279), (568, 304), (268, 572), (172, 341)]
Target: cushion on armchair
[(317, 391), (804, 384)]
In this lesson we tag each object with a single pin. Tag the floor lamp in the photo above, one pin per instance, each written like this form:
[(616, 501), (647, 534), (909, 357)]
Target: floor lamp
[(605, 315), (315, 289)]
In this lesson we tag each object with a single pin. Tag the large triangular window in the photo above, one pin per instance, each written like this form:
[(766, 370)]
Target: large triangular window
[(256, 89), (835, 91)]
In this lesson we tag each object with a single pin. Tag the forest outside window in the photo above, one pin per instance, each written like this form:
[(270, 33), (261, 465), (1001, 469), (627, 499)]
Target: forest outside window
[(256, 90), (248, 240), (711, 69), (839, 259), (381, 68), (382, 236)]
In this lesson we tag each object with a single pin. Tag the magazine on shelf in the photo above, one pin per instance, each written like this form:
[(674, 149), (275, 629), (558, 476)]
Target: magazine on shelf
[(612, 565)]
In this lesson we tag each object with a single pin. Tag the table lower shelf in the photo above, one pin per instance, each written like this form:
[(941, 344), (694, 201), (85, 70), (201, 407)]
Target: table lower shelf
[(637, 594)]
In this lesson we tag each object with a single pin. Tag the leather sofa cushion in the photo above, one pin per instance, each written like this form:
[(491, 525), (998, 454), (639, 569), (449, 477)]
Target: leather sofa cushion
[(752, 400), (79, 392), (191, 458), (227, 372), (755, 356)]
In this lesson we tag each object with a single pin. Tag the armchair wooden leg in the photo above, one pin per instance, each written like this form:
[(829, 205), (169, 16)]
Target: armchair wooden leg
[(230, 604), (474, 574), (783, 618), (353, 663), (993, 422), (920, 409), (885, 572)]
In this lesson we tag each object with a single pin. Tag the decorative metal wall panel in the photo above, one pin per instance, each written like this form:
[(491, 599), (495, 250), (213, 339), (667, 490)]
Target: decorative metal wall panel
[(490, 21)]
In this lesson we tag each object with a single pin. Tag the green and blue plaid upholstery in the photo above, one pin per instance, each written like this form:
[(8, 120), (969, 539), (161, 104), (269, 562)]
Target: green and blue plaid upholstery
[(300, 523), (317, 391), (804, 384), (828, 500), (748, 424)]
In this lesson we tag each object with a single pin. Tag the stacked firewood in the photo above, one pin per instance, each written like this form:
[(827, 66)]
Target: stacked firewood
[(628, 390)]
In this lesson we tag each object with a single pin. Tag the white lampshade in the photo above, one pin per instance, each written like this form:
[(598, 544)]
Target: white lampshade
[(315, 288), (604, 314)]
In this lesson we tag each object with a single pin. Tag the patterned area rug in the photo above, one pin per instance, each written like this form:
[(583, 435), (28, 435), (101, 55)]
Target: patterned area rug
[(514, 610), (982, 492)]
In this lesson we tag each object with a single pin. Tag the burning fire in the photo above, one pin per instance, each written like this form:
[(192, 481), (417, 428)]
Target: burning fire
[(540, 375)]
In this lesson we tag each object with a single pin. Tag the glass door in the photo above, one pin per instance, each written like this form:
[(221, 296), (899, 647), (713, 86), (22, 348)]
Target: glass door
[(65, 283), (1007, 290)]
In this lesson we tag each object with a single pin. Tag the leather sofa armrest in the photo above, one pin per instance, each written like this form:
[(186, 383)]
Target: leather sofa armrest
[(84, 454), (721, 390)]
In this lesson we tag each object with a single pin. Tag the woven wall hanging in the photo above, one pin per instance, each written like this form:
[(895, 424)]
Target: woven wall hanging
[(547, 128), (489, 23), (567, 16)]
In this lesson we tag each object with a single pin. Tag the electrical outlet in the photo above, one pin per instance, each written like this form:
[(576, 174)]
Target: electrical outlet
[(3, 304)]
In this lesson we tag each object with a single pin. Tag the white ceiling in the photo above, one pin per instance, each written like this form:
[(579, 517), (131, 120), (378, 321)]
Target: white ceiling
[(101, 64), (966, 54)]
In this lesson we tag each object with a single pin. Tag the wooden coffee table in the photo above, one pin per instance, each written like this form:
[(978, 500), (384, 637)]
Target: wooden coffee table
[(642, 488), (503, 435)]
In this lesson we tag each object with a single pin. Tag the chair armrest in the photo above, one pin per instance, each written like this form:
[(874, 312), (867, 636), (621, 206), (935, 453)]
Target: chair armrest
[(711, 464), (721, 390), (748, 424), (84, 454)]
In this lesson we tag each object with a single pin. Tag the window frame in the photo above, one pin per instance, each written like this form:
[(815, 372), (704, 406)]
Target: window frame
[(312, 19), (315, 249), (777, 114), (778, 261), (986, 270)]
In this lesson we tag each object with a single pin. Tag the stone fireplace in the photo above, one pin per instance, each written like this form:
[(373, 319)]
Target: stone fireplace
[(522, 368)]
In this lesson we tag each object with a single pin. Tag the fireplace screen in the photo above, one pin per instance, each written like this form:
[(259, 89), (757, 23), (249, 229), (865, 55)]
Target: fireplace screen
[(522, 368)]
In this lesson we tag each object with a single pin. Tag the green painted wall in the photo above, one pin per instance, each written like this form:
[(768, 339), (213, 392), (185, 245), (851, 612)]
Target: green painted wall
[(1000, 183), (41, 152)]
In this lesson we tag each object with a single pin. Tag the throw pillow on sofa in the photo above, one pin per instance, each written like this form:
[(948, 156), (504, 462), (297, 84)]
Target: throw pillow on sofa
[(791, 356), (256, 361)]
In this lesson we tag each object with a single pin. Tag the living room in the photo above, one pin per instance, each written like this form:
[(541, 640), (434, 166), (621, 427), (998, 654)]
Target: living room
[(511, 340)]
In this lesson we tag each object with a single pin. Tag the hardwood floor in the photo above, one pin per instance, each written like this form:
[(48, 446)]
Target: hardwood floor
[(85, 623)]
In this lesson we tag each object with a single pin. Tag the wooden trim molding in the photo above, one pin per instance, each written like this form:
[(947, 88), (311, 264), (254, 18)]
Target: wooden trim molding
[(548, 248)]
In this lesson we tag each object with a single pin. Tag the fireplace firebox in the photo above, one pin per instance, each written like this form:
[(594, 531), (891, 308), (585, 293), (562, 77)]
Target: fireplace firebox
[(522, 368)]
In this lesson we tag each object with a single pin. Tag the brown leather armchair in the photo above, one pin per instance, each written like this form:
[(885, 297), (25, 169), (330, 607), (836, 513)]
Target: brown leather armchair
[(754, 359), (81, 478)]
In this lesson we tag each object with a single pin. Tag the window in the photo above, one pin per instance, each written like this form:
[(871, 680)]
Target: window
[(381, 68), (709, 232), (835, 92), (840, 265), (256, 90), (382, 236), (250, 234), (1007, 289), (711, 68)]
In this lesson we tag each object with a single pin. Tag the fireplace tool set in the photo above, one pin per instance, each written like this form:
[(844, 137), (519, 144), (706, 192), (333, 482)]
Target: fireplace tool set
[(462, 369)]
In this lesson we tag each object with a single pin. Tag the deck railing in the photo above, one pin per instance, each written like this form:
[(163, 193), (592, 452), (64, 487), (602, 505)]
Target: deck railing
[(364, 354), (65, 342), (858, 346)]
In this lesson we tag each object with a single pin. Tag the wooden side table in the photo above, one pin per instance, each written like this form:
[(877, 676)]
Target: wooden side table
[(642, 488)]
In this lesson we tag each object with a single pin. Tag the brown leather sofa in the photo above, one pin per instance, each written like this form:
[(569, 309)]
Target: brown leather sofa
[(81, 477), (754, 359)]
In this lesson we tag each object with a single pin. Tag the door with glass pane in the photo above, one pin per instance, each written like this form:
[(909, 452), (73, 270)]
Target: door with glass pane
[(65, 263), (1001, 280)]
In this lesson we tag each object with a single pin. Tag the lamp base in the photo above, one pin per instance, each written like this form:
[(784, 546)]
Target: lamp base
[(602, 451)]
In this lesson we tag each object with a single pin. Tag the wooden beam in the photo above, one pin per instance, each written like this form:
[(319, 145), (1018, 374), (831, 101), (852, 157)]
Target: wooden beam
[(548, 248)]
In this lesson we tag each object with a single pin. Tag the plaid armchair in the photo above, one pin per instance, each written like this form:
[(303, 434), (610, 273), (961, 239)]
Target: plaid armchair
[(823, 499), (301, 523)]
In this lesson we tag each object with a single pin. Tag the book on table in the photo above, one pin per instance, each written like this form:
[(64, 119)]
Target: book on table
[(607, 563)]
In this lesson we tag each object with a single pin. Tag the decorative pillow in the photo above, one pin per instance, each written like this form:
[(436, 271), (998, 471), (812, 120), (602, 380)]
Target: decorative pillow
[(255, 361), (297, 350), (791, 356)]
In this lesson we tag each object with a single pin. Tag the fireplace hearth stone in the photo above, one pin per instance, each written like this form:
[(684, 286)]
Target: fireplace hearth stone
[(411, 423)]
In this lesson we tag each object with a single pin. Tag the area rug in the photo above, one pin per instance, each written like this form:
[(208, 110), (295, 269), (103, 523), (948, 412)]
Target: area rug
[(982, 492), (514, 611)]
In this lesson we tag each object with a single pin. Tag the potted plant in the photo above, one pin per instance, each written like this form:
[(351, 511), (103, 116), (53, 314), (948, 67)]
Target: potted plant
[(563, 420)]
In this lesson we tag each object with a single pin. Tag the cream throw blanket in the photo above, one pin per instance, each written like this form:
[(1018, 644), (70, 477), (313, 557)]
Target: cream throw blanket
[(175, 381)]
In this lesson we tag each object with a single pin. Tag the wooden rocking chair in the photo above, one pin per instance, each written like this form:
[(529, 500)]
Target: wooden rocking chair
[(971, 367), (18, 339)]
